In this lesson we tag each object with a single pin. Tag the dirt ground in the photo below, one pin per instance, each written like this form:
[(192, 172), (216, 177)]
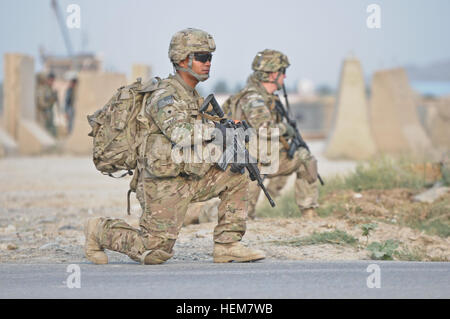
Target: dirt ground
[(44, 202)]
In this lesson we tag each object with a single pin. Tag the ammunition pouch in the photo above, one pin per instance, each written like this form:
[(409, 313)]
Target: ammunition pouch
[(157, 160)]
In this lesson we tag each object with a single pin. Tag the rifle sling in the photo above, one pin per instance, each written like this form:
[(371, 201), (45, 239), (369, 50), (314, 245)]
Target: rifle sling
[(211, 117)]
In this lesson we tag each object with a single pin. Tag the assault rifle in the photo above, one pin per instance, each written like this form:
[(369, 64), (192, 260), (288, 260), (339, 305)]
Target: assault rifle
[(235, 154), (297, 141)]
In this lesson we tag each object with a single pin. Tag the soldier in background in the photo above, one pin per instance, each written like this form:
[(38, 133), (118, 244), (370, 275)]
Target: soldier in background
[(46, 97), (69, 108), (276, 184), (165, 189), (256, 105)]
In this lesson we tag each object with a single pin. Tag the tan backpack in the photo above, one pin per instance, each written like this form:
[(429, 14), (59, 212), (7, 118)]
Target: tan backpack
[(230, 106), (116, 131), (119, 128)]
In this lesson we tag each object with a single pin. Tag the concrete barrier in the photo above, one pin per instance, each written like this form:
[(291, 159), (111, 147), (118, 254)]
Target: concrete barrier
[(394, 121), (94, 90), (439, 124), (19, 108), (350, 136)]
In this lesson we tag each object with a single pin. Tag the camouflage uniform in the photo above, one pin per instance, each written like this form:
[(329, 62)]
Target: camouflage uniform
[(69, 106), (276, 184), (255, 105), (46, 97), (165, 188)]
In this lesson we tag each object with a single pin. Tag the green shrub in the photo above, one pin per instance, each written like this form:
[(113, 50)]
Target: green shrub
[(383, 251), (383, 173), (367, 228), (379, 173)]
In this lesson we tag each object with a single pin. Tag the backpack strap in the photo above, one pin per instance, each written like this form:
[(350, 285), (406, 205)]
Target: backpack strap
[(133, 186), (129, 172)]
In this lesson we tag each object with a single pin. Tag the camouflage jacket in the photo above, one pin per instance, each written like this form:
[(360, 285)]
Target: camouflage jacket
[(45, 97), (256, 106), (174, 108)]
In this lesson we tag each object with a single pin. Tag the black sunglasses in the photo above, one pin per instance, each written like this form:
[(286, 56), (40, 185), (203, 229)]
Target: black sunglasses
[(283, 71), (203, 57)]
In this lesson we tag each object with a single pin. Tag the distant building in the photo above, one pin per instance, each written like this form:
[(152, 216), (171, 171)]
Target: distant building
[(61, 66)]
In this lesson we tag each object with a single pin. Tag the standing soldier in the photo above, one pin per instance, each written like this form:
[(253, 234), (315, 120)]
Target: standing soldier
[(46, 97), (165, 188), (256, 104), (69, 105)]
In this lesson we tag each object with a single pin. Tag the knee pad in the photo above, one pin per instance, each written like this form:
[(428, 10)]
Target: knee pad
[(311, 170)]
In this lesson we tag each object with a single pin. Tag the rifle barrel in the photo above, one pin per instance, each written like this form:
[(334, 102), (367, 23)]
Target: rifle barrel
[(272, 203)]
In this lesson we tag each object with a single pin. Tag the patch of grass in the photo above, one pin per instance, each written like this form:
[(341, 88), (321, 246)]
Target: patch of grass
[(446, 175), (417, 254), (383, 173), (439, 258), (285, 207), (384, 250), (332, 184), (337, 237), (407, 254), (336, 198), (380, 173), (328, 209), (434, 220), (437, 227)]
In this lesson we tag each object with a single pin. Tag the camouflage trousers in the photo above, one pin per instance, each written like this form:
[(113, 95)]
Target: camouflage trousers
[(306, 194), (45, 118), (164, 204)]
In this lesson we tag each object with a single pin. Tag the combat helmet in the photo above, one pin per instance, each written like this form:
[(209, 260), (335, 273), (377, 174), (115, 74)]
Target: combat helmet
[(185, 43), (268, 61)]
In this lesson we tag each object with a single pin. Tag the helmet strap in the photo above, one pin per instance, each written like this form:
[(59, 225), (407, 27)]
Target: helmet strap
[(279, 86), (199, 77)]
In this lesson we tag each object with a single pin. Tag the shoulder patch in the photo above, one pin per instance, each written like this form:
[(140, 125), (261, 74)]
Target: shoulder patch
[(257, 103), (168, 100)]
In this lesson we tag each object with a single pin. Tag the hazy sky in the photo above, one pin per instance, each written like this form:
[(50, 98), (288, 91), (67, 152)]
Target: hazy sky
[(315, 34)]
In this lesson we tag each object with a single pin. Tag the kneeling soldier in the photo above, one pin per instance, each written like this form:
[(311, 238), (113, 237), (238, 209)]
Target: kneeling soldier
[(256, 104), (166, 188)]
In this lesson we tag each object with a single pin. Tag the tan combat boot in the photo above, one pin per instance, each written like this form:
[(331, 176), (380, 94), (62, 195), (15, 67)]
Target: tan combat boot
[(155, 257), (309, 213), (224, 253), (92, 248)]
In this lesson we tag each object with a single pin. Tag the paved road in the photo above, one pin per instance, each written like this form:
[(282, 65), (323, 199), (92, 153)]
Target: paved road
[(264, 279)]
